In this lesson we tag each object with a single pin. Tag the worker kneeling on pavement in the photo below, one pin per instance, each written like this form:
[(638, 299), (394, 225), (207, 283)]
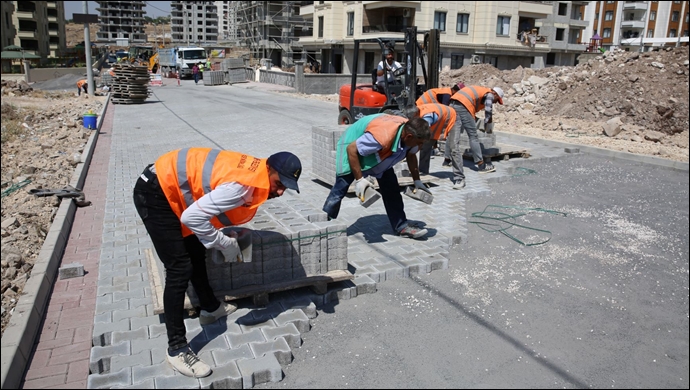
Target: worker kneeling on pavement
[(371, 147), (183, 200)]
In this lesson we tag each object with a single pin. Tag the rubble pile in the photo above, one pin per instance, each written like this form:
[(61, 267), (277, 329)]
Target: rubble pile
[(626, 96), (47, 142), (13, 88)]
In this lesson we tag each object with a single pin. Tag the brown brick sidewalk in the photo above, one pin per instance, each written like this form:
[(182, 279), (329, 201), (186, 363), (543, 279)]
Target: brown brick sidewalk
[(61, 353)]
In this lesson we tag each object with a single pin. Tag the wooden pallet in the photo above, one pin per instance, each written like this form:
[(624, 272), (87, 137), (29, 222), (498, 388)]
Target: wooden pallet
[(500, 152), (258, 293)]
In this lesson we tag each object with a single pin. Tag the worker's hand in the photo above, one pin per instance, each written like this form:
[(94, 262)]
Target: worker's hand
[(361, 186), (232, 253), (418, 185)]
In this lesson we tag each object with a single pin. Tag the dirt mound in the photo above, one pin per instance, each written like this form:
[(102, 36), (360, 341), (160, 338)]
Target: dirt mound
[(647, 92)]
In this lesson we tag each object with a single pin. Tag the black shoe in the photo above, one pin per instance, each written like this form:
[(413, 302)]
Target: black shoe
[(446, 162), (486, 168)]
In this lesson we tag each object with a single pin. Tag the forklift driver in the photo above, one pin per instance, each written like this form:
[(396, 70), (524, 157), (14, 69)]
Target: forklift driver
[(386, 67)]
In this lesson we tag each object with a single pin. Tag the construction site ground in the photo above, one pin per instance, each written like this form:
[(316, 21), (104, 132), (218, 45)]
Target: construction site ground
[(577, 311)]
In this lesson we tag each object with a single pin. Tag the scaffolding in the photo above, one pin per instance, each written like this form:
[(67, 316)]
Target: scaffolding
[(271, 29)]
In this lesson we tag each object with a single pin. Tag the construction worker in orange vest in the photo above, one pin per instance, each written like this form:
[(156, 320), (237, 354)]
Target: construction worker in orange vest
[(371, 147), (82, 85), (439, 95), (467, 102), (441, 119), (183, 200)]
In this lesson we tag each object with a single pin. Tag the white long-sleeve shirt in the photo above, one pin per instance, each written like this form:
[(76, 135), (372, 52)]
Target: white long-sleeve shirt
[(224, 197)]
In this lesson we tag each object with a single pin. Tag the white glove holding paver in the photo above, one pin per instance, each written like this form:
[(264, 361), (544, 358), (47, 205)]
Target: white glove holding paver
[(232, 252), (420, 186), (361, 186)]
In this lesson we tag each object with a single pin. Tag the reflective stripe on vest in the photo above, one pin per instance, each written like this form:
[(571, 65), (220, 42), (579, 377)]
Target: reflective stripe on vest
[(446, 118), (205, 179), (473, 102)]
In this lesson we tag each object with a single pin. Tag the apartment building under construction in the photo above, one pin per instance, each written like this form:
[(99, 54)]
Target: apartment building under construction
[(272, 29)]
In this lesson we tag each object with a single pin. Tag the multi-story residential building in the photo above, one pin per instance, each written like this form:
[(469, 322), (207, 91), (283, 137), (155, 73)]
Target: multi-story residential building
[(194, 22), (471, 31), (638, 25), (121, 20), (563, 31), (227, 21), (38, 27), (272, 29)]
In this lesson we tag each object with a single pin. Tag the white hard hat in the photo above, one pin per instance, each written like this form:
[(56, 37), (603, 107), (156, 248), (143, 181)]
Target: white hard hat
[(499, 91)]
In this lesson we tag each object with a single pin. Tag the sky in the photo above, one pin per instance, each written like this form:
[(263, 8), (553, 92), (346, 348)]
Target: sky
[(162, 8)]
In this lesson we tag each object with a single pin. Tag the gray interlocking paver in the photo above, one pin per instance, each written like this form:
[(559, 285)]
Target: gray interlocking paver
[(224, 357), (176, 381), (142, 359), (277, 347), (260, 370), (106, 381), (237, 339), (99, 361), (289, 332), (226, 376)]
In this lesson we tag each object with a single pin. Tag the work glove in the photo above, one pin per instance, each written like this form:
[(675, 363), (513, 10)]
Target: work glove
[(232, 252), (418, 185), (361, 186)]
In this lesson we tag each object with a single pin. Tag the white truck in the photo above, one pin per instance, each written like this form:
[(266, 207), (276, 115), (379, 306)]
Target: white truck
[(180, 60)]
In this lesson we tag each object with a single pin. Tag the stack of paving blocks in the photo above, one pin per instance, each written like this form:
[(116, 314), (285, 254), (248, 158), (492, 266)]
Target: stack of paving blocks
[(324, 142), (290, 240)]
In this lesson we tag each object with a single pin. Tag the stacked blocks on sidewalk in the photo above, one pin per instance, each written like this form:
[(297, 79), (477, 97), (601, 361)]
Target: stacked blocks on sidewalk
[(289, 241)]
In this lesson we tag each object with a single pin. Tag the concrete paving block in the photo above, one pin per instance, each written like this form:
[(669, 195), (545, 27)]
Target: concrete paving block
[(254, 335), (138, 322), (104, 317), (100, 357), (289, 332), (304, 304), (436, 261), (72, 270), (107, 327), (260, 370), (201, 344), (224, 377), (146, 384), (138, 312), (365, 284), (143, 345), (106, 381), (277, 347), (216, 329), (296, 317), (141, 373), (110, 307), (227, 356), (392, 270), (414, 265), (176, 381), (118, 337), (157, 330), (141, 359)]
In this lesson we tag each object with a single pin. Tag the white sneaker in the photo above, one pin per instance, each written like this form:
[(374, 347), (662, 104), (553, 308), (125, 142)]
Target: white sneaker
[(188, 364), (206, 318), (458, 185)]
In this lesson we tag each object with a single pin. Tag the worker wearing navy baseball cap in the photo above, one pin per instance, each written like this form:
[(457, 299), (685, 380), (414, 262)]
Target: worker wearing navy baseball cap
[(184, 200)]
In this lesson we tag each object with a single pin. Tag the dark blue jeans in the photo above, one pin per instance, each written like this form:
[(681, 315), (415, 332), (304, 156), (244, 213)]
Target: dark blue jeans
[(390, 192), (196, 78), (184, 258)]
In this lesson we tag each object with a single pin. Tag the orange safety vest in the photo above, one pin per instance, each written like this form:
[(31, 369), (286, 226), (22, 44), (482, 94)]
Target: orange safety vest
[(188, 174), (445, 122), (385, 130), (80, 83), (431, 95), (472, 97)]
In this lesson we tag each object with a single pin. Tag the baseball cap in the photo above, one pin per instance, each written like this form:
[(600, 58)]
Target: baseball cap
[(499, 91), (289, 168)]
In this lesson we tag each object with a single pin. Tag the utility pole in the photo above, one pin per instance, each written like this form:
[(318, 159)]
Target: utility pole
[(186, 26), (87, 52)]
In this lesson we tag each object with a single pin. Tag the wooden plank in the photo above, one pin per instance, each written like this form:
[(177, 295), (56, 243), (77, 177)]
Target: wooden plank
[(500, 152), (323, 279)]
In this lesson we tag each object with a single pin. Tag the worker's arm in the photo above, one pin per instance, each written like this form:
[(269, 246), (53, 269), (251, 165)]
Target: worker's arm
[(488, 108), (380, 69), (353, 158), (197, 217), (412, 164)]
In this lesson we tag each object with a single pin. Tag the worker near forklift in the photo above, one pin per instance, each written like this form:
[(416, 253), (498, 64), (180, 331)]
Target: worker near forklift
[(466, 103), (371, 147), (441, 119), (386, 69), (439, 95)]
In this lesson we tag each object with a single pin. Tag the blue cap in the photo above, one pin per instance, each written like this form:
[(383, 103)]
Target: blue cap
[(289, 168)]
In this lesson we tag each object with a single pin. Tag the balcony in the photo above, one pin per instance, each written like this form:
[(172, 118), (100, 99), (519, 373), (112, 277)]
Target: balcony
[(26, 34), (25, 15), (307, 11), (632, 24), (52, 19), (390, 4), (635, 5), (577, 23), (537, 9)]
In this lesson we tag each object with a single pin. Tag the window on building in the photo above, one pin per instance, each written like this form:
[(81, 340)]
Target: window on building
[(350, 24), (550, 58), (652, 15), (608, 15), (456, 61), (562, 9), (672, 33), (463, 25), (503, 25), (320, 27), (560, 32), (607, 33), (596, 16), (650, 33), (674, 16), (440, 20), (687, 17)]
